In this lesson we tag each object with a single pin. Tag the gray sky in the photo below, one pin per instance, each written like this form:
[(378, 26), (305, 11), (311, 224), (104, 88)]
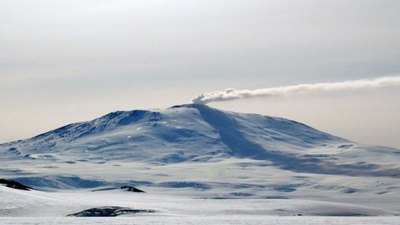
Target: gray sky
[(69, 61)]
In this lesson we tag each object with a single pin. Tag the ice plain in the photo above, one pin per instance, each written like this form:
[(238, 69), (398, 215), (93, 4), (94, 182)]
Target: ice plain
[(36, 207)]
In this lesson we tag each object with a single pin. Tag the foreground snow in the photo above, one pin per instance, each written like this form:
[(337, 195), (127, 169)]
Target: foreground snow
[(36, 207), (194, 220), (60, 204)]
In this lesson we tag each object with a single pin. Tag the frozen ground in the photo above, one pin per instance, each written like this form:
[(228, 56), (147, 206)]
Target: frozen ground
[(51, 208), (194, 220), (36, 203)]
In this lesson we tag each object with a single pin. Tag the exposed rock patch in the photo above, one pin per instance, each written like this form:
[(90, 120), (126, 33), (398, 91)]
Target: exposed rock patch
[(131, 188), (14, 184), (109, 211)]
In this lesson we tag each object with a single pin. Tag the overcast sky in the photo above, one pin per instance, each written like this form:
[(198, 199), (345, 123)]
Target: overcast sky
[(74, 60)]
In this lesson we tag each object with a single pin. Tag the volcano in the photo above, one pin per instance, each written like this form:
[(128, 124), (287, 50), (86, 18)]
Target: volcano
[(196, 149)]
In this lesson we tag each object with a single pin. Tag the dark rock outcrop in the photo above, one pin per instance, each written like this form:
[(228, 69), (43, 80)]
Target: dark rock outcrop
[(131, 188), (16, 185), (109, 211)]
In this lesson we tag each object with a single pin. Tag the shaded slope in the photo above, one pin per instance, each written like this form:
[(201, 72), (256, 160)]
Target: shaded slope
[(231, 135)]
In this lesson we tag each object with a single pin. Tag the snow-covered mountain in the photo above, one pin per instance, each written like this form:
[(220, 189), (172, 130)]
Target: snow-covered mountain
[(180, 133), (197, 150), (198, 133)]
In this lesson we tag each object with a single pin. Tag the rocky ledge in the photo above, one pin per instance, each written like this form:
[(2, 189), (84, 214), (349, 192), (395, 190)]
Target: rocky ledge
[(14, 184), (109, 211)]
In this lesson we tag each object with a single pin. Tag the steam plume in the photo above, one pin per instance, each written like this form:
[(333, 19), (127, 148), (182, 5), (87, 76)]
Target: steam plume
[(232, 94)]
